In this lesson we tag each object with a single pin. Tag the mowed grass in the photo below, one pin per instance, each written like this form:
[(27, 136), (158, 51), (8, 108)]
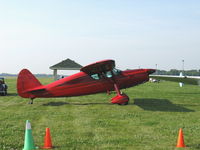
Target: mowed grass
[(150, 122)]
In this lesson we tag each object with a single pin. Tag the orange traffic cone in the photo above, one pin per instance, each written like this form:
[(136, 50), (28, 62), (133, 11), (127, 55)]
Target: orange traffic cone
[(180, 141), (47, 140)]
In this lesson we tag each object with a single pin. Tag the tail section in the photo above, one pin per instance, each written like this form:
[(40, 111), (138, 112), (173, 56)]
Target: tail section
[(25, 82), (181, 83)]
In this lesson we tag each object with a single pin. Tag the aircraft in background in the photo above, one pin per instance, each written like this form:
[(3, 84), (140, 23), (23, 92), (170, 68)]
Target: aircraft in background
[(193, 80), (98, 77)]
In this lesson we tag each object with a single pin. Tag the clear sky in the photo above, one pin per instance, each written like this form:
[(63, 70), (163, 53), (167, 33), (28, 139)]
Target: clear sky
[(37, 34)]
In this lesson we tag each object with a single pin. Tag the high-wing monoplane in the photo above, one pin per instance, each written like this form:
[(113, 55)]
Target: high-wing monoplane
[(101, 76)]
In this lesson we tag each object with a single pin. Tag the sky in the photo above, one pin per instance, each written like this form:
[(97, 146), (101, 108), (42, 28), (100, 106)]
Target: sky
[(37, 34)]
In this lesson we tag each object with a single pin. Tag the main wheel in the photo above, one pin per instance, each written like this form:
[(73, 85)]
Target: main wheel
[(120, 99)]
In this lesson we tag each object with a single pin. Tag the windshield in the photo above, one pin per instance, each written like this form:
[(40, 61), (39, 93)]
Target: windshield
[(107, 74), (116, 71)]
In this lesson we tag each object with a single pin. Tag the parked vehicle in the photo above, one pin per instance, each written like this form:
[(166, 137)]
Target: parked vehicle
[(3, 87)]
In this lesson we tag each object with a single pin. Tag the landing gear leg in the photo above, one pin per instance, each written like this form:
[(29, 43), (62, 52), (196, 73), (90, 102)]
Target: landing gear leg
[(117, 89)]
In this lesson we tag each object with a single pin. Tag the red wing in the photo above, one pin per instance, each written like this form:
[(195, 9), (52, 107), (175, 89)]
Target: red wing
[(98, 67)]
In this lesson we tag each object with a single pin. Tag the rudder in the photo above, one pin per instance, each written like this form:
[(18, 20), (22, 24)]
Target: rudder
[(25, 81)]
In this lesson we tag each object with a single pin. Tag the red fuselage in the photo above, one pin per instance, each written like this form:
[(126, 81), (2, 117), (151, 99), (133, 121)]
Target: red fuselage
[(83, 84)]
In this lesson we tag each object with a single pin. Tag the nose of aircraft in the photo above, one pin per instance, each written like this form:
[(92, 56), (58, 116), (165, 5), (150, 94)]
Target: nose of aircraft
[(150, 71)]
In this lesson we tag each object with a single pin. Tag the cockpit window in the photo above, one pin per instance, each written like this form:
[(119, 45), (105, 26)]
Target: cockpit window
[(109, 74), (95, 76), (116, 71)]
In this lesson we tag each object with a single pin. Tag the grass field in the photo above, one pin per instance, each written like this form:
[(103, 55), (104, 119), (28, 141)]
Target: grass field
[(150, 122)]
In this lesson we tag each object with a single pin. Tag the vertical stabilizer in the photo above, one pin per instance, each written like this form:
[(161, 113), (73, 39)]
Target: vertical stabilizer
[(26, 81), (180, 83)]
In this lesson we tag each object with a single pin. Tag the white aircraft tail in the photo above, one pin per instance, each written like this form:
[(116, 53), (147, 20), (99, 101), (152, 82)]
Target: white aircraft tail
[(180, 83)]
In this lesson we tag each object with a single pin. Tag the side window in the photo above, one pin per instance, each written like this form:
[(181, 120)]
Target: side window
[(95, 76), (109, 74)]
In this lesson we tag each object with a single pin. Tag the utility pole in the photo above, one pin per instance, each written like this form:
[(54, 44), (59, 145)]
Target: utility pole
[(183, 67), (156, 69)]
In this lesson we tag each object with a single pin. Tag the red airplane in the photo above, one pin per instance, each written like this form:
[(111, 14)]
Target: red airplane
[(98, 77)]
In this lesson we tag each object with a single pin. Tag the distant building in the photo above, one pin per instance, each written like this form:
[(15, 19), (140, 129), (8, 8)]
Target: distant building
[(67, 64)]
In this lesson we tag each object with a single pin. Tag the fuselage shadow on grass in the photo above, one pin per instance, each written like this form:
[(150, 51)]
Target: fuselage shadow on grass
[(159, 105), (73, 103)]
